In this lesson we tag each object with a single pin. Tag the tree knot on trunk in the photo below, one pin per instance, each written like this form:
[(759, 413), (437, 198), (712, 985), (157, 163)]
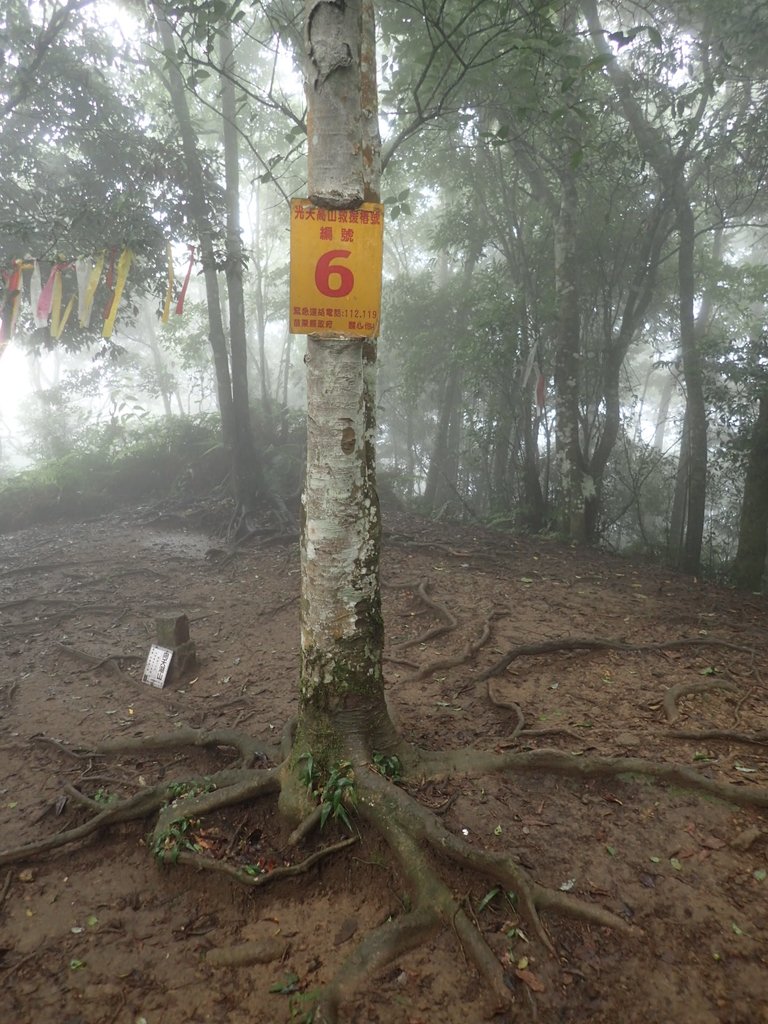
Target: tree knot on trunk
[(327, 49)]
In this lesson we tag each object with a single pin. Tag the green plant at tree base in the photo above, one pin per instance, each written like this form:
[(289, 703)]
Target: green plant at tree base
[(172, 841), (177, 790), (388, 765), (103, 797), (336, 794)]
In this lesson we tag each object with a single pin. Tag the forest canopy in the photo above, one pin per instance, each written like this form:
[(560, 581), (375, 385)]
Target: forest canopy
[(574, 331)]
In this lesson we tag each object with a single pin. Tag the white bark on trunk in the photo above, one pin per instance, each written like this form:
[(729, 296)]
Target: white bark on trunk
[(342, 704), (341, 524)]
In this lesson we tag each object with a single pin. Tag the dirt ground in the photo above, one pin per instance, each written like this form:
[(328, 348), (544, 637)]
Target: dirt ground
[(99, 933)]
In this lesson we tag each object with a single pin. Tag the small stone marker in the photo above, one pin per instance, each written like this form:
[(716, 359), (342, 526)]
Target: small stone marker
[(174, 656)]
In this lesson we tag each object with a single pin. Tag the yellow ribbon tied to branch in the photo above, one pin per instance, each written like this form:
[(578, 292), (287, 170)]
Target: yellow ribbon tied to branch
[(123, 266), (169, 290), (92, 284)]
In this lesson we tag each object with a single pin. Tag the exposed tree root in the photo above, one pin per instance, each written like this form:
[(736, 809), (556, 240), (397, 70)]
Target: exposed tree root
[(235, 785), (674, 693), (462, 658), (435, 767), (448, 620), (758, 738), (247, 953), (194, 860), (93, 662), (6, 887), (186, 736), (519, 729), (600, 644), (415, 834)]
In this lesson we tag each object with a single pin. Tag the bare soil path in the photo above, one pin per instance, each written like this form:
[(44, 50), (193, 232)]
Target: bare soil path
[(101, 934)]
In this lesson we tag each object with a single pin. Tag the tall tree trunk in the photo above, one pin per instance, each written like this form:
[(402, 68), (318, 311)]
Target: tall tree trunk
[(205, 233), (669, 165), (749, 565), (165, 381), (441, 487), (573, 487), (662, 413), (260, 296), (679, 511), (498, 484), (248, 473), (342, 710), (696, 409), (441, 484)]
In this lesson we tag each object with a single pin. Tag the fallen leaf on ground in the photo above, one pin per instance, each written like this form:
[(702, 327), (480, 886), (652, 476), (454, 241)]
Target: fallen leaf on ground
[(713, 843), (529, 978)]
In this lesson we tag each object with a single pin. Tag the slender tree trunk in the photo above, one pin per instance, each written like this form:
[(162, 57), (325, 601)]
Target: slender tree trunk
[(260, 295), (442, 475), (165, 381), (696, 410), (342, 710), (498, 489), (670, 168), (441, 482), (679, 513), (573, 487), (534, 505), (662, 413), (205, 233), (749, 565), (248, 472)]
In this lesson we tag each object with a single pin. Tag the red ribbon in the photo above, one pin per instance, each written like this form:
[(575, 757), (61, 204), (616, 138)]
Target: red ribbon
[(541, 392)]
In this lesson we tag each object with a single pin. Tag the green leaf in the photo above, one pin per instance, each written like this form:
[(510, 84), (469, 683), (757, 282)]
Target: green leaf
[(288, 986), (488, 898), (707, 671), (760, 874), (611, 851), (600, 61), (735, 929), (675, 863), (655, 860)]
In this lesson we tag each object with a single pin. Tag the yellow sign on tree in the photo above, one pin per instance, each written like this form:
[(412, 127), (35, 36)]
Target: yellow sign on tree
[(336, 269)]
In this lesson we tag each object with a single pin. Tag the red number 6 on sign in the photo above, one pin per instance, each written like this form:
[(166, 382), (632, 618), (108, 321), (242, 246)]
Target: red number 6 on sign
[(325, 269)]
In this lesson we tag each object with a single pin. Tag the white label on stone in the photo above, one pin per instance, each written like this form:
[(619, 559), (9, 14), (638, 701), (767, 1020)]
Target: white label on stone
[(158, 663)]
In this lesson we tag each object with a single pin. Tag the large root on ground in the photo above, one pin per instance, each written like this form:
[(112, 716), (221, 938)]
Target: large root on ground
[(416, 836)]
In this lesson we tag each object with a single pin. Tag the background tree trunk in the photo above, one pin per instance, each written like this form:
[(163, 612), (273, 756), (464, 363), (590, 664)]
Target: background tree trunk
[(749, 565), (248, 472), (205, 233)]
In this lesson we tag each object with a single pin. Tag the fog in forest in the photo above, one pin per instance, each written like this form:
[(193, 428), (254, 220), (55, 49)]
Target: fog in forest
[(573, 313)]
